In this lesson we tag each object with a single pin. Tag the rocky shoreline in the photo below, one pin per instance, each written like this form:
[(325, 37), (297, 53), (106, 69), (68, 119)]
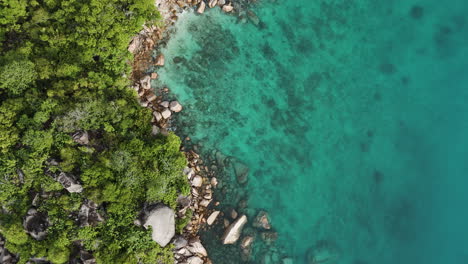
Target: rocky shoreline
[(200, 206)]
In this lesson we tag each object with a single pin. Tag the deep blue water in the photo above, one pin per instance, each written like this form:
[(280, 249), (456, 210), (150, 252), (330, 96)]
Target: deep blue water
[(351, 115)]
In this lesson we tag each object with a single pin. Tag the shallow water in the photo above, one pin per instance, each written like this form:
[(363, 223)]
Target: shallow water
[(351, 116)]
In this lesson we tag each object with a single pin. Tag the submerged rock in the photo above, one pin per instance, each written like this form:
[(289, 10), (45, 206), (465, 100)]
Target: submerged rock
[(88, 214), (233, 232), (261, 221), (242, 172), (323, 252), (162, 221)]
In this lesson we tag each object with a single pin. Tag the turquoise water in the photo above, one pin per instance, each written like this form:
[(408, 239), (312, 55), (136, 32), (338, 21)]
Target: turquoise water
[(351, 116)]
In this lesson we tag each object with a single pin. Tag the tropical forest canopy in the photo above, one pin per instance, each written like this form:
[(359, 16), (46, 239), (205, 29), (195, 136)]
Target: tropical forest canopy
[(62, 71)]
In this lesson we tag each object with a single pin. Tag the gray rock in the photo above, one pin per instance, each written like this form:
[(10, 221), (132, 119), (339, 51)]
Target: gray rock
[(194, 259), (155, 130), (197, 248), (180, 242), (233, 232), (145, 82), (81, 137), (162, 221), (36, 224), (69, 183), (88, 214)]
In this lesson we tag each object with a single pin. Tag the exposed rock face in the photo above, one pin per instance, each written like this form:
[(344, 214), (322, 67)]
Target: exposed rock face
[(175, 106), (81, 137), (261, 221), (201, 7), (247, 242), (246, 247), (36, 224), (154, 75), (88, 214), (212, 217), (269, 237), (69, 183), (162, 221), (233, 232)]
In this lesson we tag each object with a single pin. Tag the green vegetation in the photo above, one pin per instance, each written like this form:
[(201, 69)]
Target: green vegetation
[(61, 71)]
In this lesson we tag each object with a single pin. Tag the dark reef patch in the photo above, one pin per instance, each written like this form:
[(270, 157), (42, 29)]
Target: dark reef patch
[(416, 12)]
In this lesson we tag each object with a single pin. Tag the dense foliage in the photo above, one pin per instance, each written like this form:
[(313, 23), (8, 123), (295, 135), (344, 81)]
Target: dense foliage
[(62, 68)]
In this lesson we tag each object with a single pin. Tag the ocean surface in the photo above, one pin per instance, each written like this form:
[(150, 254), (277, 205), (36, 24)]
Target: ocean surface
[(352, 117)]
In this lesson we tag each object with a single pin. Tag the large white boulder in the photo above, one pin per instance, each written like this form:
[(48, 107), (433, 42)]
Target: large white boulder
[(233, 232), (162, 221)]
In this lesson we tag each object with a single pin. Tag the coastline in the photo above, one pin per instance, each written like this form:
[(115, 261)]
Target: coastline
[(192, 210), (200, 210)]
